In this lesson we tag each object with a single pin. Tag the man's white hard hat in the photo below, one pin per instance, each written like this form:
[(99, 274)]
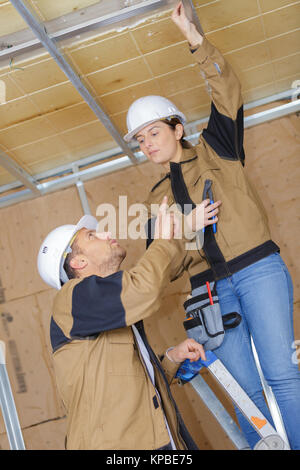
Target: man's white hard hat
[(51, 257), (149, 109)]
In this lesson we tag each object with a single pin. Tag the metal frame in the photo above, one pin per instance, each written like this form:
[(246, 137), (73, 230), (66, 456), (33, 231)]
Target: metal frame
[(75, 23), (50, 45), (12, 167), (79, 171), (64, 176)]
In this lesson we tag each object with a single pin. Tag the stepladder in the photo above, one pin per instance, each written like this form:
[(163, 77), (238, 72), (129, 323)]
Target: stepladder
[(270, 439), (8, 407)]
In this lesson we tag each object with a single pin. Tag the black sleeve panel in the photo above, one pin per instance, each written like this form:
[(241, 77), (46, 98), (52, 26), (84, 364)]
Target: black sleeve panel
[(226, 136), (97, 306), (149, 228)]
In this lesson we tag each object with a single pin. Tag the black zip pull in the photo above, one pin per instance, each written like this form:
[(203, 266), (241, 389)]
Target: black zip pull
[(207, 193)]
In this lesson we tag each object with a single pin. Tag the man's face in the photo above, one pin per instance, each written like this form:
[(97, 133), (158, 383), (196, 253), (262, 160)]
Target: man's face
[(100, 249)]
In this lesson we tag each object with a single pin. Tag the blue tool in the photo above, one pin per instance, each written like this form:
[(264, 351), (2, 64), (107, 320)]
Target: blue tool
[(208, 192), (188, 370)]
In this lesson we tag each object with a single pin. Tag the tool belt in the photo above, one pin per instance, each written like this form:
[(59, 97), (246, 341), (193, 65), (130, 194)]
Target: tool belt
[(204, 321)]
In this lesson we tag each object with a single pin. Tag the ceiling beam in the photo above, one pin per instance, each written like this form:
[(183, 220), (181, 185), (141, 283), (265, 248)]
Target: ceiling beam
[(64, 174), (85, 174), (21, 175), (91, 18), (50, 45)]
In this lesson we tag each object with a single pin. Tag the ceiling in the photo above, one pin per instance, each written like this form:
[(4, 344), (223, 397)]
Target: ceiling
[(45, 122)]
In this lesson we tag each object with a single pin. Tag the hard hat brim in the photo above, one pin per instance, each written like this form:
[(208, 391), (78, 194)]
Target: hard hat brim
[(87, 221), (128, 137)]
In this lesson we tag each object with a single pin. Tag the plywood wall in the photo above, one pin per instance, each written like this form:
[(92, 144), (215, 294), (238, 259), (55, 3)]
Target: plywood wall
[(272, 151)]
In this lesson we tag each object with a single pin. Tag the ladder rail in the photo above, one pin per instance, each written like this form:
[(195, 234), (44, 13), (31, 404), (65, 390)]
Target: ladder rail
[(8, 407), (270, 398)]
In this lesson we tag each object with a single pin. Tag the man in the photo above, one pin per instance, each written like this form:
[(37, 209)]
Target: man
[(115, 390)]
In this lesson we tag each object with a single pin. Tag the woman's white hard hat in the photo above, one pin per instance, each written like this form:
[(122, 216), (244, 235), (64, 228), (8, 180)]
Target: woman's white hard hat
[(51, 259), (149, 109)]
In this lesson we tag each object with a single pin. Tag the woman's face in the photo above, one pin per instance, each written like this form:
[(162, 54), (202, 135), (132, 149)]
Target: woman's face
[(160, 143)]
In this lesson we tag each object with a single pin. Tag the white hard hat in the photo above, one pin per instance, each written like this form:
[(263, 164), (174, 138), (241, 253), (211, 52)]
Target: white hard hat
[(149, 109), (50, 258)]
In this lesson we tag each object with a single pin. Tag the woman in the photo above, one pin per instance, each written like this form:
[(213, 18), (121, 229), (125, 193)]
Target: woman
[(238, 256)]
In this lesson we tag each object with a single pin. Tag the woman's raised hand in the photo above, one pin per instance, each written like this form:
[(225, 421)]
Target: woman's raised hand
[(187, 28)]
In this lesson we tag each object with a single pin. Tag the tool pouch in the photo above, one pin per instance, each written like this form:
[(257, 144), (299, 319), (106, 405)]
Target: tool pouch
[(204, 322)]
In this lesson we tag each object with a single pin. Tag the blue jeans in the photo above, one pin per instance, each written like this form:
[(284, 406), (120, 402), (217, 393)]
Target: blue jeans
[(262, 294)]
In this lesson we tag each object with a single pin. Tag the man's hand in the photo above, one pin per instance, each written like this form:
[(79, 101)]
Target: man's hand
[(166, 224), (188, 349), (204, 214), (187, 28)]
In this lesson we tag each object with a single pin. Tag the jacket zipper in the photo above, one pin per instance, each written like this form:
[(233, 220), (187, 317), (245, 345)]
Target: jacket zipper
[(148, 374), (154, 359)]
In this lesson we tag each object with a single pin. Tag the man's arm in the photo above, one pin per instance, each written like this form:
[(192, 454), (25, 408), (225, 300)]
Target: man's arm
[(96, 304), (143, 285)]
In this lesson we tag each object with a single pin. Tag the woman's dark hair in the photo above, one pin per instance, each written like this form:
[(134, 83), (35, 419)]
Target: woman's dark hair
[(172, 122)]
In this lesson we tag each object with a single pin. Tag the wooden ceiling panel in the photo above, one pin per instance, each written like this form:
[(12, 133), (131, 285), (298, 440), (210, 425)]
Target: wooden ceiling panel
[(15, 111), (175, 82), (119, 76), (64, 158), (5, 177), (285, 45), (56, 97), (197, 112), (86, 136), (157, 35), (238, 35), (282, 20), (269, 5), (12, 91), (10, 20), (258, 76), (40, 150), (253, 56), (44, 121), (259, 92), (26, 132), (169, 59), (220, 14), (104, 53), (71, 116), (38, 76), (50, 9), (121, 100), (191, 98), (285, 67)]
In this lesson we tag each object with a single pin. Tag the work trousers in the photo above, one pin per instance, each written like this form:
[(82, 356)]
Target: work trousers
[(262, 294)]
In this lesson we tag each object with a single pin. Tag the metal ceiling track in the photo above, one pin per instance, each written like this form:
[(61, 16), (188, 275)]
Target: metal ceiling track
[(113, 160), (21, 175), (119, 157), (85, 20), (50, 45)]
